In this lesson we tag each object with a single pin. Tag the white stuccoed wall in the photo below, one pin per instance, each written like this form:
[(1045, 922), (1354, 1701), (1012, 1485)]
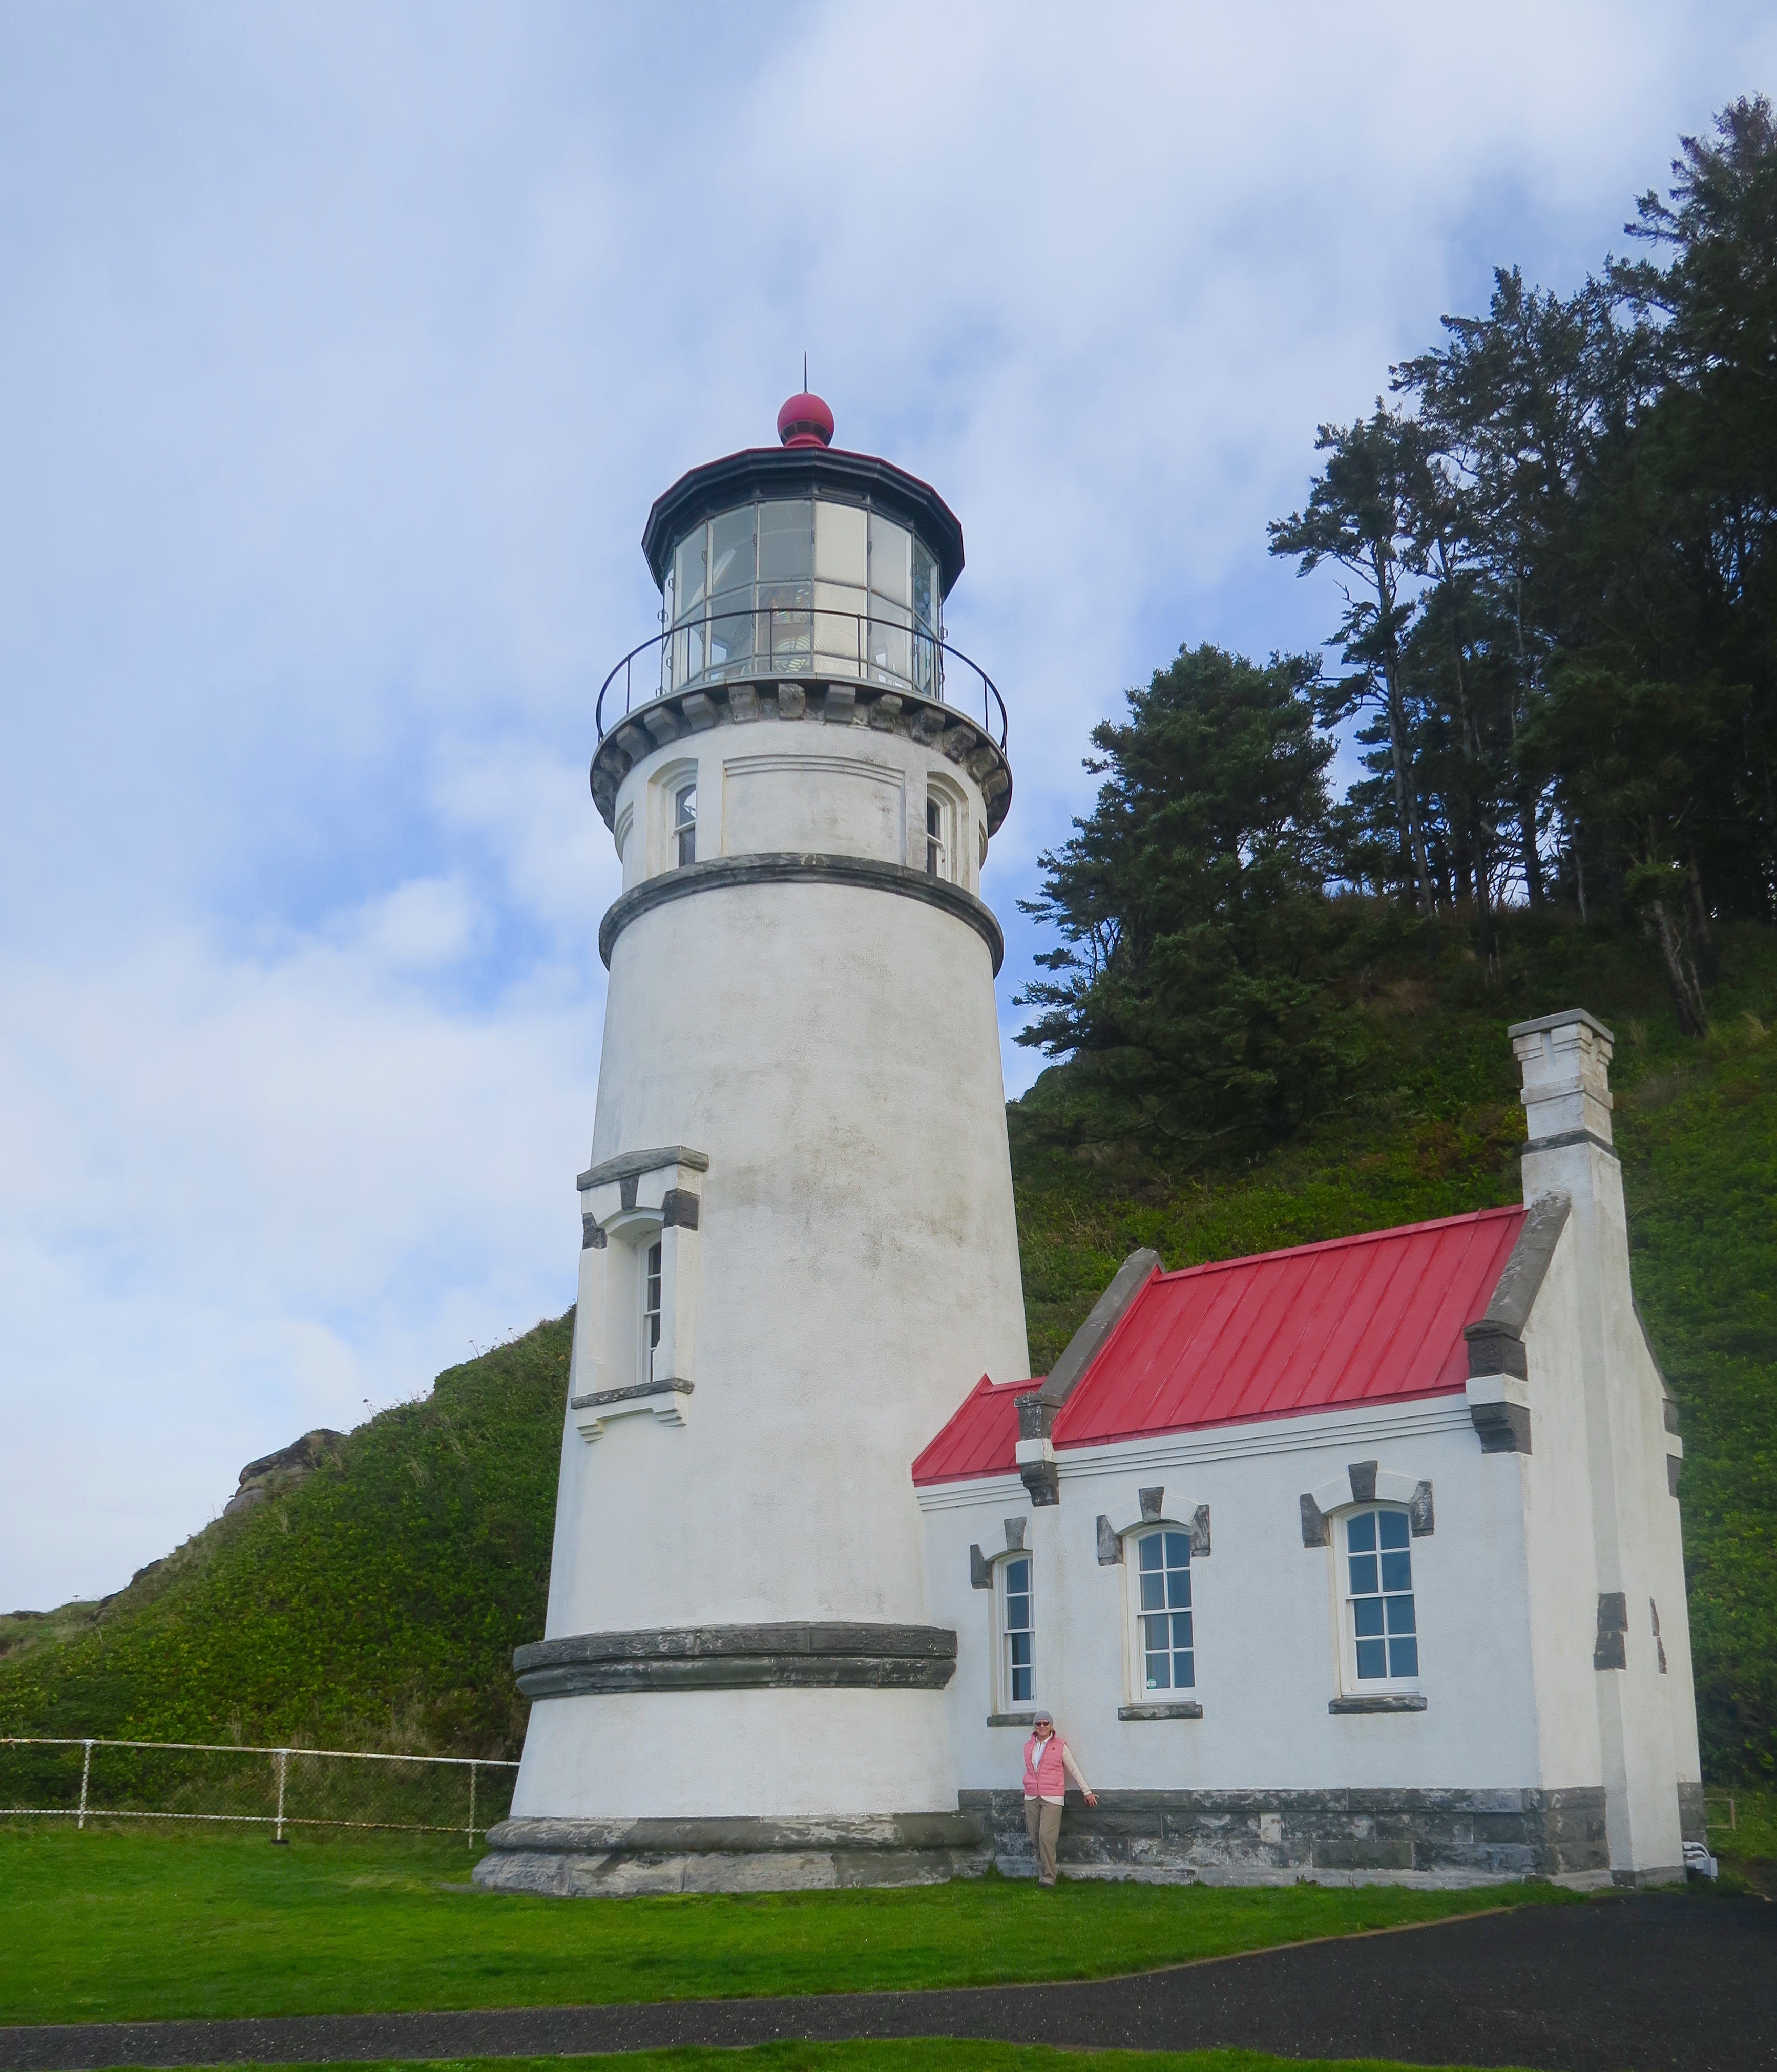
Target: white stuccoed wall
[(1265, 1622), (834, 1049), (1603, 1518)]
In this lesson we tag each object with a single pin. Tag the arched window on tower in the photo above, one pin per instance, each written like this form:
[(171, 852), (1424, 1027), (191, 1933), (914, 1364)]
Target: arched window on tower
[(685, 823), (650, 1337)]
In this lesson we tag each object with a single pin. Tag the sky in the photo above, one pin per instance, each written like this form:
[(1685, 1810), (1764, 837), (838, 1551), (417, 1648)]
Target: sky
[(344, 349)]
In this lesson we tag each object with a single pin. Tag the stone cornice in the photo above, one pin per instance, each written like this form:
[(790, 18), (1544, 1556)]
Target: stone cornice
[(841, 702), (824, 1655), (783, 867)]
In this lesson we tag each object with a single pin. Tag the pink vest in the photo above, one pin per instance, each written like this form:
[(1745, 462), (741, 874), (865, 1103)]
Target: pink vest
[(1047, 1779)]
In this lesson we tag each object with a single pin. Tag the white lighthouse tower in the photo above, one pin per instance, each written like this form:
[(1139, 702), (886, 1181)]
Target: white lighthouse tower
[(798, 1242)]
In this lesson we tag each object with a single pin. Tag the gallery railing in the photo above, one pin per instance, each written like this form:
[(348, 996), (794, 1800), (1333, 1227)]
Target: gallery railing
[(771, 641), (94, 1779)]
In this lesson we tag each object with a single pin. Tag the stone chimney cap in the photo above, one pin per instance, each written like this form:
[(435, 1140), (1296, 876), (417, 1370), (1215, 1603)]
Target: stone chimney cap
[(1560, 1021)]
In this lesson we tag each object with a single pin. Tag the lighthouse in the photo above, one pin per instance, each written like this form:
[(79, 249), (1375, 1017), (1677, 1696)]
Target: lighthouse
[(798, 1244)]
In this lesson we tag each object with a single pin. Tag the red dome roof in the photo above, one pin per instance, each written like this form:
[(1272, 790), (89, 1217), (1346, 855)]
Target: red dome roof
[(805, 420)]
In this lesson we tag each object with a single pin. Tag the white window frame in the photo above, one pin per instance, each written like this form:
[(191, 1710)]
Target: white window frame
[(651, 1286), (620, 1368), (1135, 1631), (683, 788), (1004, 1699), (1351, 1685), (952, 835), (664, 787)]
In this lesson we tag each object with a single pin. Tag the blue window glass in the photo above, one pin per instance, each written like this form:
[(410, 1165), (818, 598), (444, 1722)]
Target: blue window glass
[(1379, 1587), (1163, 1574)]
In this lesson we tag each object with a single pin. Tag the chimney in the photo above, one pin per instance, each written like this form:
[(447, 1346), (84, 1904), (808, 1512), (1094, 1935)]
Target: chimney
[(1565, 1061)]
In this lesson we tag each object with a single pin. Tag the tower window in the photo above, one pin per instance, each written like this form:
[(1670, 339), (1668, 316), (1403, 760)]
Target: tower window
[(1168, 1653), (684, 823), (937, 859), (651, 1309), (1379, 1576), (1018, 1632)]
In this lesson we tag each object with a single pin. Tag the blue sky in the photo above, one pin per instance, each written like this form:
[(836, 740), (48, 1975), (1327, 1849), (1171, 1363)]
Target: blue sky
[(345, 349)]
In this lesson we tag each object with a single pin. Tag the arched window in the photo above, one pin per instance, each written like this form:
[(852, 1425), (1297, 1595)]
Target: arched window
[(650, 1341), (1381, 1633), (1165, 1649), (1017, 1632), (685, 823)]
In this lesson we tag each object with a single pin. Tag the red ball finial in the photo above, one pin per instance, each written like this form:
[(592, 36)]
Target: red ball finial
[(805, 420)]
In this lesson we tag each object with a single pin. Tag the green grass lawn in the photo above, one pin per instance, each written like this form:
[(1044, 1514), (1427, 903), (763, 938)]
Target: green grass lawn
[(1754, 1832), (115, 1925), (915, 2054)]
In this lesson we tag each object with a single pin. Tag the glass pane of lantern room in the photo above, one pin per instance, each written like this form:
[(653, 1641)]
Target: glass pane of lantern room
[(889, 546), (786, 570), (840, 567), (688, 566), (890, 587), (925, 619), (888, 645), (731, 567)]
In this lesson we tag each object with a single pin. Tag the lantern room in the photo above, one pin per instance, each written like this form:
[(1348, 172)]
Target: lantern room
[(803, 561)]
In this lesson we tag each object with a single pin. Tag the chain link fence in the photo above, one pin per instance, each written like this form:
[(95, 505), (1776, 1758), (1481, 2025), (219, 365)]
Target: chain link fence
[(278, 1788)]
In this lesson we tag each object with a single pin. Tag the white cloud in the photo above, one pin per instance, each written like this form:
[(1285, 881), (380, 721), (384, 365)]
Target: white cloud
[(345, 351)]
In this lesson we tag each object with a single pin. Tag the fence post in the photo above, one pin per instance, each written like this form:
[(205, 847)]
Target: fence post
[(472, 1805), (86, 1768), (283, 1764)]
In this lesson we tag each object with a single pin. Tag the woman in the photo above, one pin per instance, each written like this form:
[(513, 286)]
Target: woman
[(1048, 1763)]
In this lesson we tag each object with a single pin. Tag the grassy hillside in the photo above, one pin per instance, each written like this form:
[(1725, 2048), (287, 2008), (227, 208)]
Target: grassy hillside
[(374, 1604), (377, 1603)]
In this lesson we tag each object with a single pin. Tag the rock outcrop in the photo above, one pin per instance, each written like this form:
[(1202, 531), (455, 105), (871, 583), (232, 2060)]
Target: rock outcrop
[(283, 1469)]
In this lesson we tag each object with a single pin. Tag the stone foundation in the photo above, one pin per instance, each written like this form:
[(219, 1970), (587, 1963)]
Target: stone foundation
[(614, 1859), (1454, 1837), (1692, 1825), (1259, 1837)]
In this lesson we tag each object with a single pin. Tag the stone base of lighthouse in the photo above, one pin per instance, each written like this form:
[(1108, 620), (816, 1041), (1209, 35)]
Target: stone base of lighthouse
[(620, 1859), (643, 1823)]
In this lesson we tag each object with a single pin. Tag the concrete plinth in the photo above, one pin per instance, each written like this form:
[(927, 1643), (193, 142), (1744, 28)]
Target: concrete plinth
[(621, 1859)]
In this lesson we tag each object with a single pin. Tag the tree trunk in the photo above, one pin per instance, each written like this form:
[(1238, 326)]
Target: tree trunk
[(1527, 799), (1702, 935), (1471, 755), (1411, 869), (1483, 895), (1526, 843), (1687, 994)]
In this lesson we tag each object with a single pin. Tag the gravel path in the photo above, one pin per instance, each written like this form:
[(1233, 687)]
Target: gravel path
[(1685, 1981)]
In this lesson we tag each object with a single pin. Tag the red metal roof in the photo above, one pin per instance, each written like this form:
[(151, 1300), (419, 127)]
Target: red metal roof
[(979, 1440), (1373, 1319)]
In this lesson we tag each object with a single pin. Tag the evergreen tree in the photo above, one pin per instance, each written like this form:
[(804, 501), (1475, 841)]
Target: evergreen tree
[(1194, 927), (1360, 517)]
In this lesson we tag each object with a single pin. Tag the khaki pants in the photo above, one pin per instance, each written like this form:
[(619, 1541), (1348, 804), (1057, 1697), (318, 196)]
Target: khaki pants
[(1042, 1823)]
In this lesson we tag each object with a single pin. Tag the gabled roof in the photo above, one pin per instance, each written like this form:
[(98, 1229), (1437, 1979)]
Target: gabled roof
[(1377, 1318)]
